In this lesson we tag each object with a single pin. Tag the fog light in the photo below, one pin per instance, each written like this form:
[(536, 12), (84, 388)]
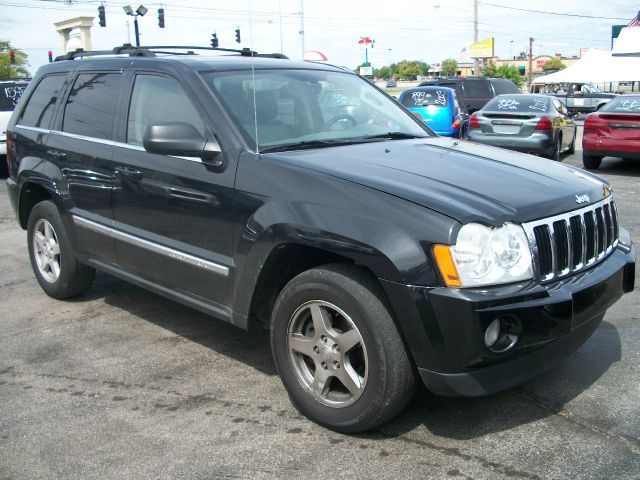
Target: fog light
[(492, 333), (502, 333)]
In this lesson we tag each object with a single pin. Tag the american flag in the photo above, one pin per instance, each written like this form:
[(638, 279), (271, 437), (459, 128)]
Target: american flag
[(635, 22)]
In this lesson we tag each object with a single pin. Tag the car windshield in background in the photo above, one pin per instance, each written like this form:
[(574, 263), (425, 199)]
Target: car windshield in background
[(421, 98), (623, 104), (10, 93), (518, 103), (309, 109)]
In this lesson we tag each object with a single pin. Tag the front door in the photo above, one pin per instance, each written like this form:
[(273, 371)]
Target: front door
[(173, 215)]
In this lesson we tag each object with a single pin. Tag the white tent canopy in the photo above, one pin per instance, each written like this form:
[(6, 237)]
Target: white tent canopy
[(628, 42), (596, 66)]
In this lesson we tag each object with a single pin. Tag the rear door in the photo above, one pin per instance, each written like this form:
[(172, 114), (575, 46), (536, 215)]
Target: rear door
[(82, 145), (173, 215)]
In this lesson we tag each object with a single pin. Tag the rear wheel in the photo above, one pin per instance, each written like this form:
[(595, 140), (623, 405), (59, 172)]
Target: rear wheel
[(338, 351), (53, 261), (572, 147), (591, 162)]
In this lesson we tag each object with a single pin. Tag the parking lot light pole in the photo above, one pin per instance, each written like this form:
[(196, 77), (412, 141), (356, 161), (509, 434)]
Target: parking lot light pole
[(140, 12)]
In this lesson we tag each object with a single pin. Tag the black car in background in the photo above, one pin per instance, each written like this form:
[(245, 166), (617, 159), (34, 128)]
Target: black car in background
[(537, 124), (299, 197), (475, 92)]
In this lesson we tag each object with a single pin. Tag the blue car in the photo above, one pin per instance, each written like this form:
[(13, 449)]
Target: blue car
[(439, 109)]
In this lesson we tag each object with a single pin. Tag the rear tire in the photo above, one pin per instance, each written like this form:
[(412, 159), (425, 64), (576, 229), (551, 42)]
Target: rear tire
[(53, 261), (591, 162), (338, 351), (572, 147), (555, 150)]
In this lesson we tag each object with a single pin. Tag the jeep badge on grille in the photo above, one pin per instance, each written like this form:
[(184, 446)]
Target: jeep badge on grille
[(582, 199)]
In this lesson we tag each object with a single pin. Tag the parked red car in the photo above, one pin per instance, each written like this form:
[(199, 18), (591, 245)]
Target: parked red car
[(614, 131)]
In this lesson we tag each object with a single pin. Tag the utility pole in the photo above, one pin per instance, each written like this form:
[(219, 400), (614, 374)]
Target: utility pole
[(530, 61), (302, 28), (476, 64)]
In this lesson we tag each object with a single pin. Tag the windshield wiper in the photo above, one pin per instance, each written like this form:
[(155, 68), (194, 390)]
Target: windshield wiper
[(309, 144), (395, 136)]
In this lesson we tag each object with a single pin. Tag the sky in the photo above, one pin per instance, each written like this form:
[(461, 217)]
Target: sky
[(427, 30)]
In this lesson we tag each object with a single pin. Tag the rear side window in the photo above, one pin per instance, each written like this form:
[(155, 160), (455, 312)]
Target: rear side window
[(518, 103), (156, 100), (421, 98), (10, 93), (502, 86), (39, 110), (477, 89), (91, 103)]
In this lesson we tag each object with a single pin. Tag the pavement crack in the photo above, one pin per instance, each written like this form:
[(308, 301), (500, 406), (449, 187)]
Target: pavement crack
[(568, 416), (456, 452)]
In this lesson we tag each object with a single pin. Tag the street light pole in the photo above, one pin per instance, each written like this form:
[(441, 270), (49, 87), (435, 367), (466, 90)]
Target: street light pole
[(476, 64), (136, 31)]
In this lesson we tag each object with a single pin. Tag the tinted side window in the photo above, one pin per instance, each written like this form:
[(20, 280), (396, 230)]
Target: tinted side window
[(477, 89), (156, 100), (90, 106), (39, 110)]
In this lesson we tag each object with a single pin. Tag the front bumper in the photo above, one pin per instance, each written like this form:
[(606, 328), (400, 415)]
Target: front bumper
[(555, 320)]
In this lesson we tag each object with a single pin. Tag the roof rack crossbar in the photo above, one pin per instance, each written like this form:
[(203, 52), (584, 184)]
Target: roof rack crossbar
[(152, 50)]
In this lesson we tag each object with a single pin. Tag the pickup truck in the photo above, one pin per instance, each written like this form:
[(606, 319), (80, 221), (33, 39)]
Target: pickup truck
[(578, 98)]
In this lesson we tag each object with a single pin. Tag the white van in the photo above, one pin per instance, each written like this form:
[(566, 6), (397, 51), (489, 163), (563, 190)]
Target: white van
[(10, 93)]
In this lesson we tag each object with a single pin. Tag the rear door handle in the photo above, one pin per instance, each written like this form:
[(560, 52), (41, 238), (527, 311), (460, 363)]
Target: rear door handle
[(56, 154), (128, 172)]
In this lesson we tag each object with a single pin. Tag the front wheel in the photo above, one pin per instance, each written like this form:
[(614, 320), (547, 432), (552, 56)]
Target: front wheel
[(572, 147), (53, 261), (338, 351)]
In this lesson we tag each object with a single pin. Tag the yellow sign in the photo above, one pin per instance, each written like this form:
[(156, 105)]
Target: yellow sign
[(482, 49)]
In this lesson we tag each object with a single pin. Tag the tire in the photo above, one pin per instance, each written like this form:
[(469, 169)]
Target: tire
[(555, 150), (355, 373), (53, 261), (572, 147), (590, 162)]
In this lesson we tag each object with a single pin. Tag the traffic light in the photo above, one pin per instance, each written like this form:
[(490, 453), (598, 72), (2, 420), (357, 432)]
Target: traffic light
[(12, 57), (214, 40), (101, 16), (50, 56), (238, 34), (161, 17)]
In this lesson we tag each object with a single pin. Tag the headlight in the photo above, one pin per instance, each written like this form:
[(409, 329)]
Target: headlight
[(485, 256)]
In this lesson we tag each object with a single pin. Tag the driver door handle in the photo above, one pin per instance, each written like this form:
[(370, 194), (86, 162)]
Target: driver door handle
[(128, 172)]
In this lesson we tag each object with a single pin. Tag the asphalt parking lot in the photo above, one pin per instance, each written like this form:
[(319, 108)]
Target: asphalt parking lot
[(121, 383)]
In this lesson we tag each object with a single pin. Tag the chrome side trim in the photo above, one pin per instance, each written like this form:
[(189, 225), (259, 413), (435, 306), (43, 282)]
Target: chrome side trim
[(34, 129), (102, 141), (151, 246)]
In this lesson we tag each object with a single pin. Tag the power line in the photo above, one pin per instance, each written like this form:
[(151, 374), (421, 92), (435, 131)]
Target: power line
[(554, 13)]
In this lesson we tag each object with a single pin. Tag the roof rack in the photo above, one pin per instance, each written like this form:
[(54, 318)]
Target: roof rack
[(151, 51)]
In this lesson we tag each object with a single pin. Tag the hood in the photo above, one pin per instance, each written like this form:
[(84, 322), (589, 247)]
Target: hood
[(463, 180)]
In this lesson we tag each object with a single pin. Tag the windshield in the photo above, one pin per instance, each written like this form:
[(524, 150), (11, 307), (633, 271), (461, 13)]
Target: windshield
[(309, 108), (518, 103), (10, 93), (623, 104), (425, 98)]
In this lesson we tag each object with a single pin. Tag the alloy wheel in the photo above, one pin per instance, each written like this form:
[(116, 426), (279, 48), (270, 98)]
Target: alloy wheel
[(46, 250)]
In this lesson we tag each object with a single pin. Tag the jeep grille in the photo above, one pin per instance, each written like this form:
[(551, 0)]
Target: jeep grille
[(571, 242)]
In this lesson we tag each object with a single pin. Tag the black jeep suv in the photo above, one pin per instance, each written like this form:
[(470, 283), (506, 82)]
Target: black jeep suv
[(300, 197)]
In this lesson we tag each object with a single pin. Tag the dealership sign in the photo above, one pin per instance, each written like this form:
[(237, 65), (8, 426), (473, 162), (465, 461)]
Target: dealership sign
[(482, 49)]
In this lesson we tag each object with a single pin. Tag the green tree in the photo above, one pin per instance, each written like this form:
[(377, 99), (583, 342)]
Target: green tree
[(522, 56), (449, 67), (7, 70), (510, 72), (553, 64), (409, 69), (424, 68), (383, 72)]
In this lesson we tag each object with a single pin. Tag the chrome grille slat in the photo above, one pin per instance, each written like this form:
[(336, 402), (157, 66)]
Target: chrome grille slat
[(570, 242)]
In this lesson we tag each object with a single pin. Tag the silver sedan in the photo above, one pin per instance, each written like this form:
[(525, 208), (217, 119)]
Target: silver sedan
[(536, 124)]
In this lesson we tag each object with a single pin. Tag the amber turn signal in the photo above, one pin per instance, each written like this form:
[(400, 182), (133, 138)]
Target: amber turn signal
[(447, 268)]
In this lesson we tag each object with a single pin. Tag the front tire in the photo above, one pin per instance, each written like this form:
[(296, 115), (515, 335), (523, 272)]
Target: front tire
[(591, 162), (572, 147), (338, 351), (53, 261)]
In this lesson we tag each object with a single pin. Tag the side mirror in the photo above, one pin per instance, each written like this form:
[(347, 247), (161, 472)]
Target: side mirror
[(179, 139), (417, 115)]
